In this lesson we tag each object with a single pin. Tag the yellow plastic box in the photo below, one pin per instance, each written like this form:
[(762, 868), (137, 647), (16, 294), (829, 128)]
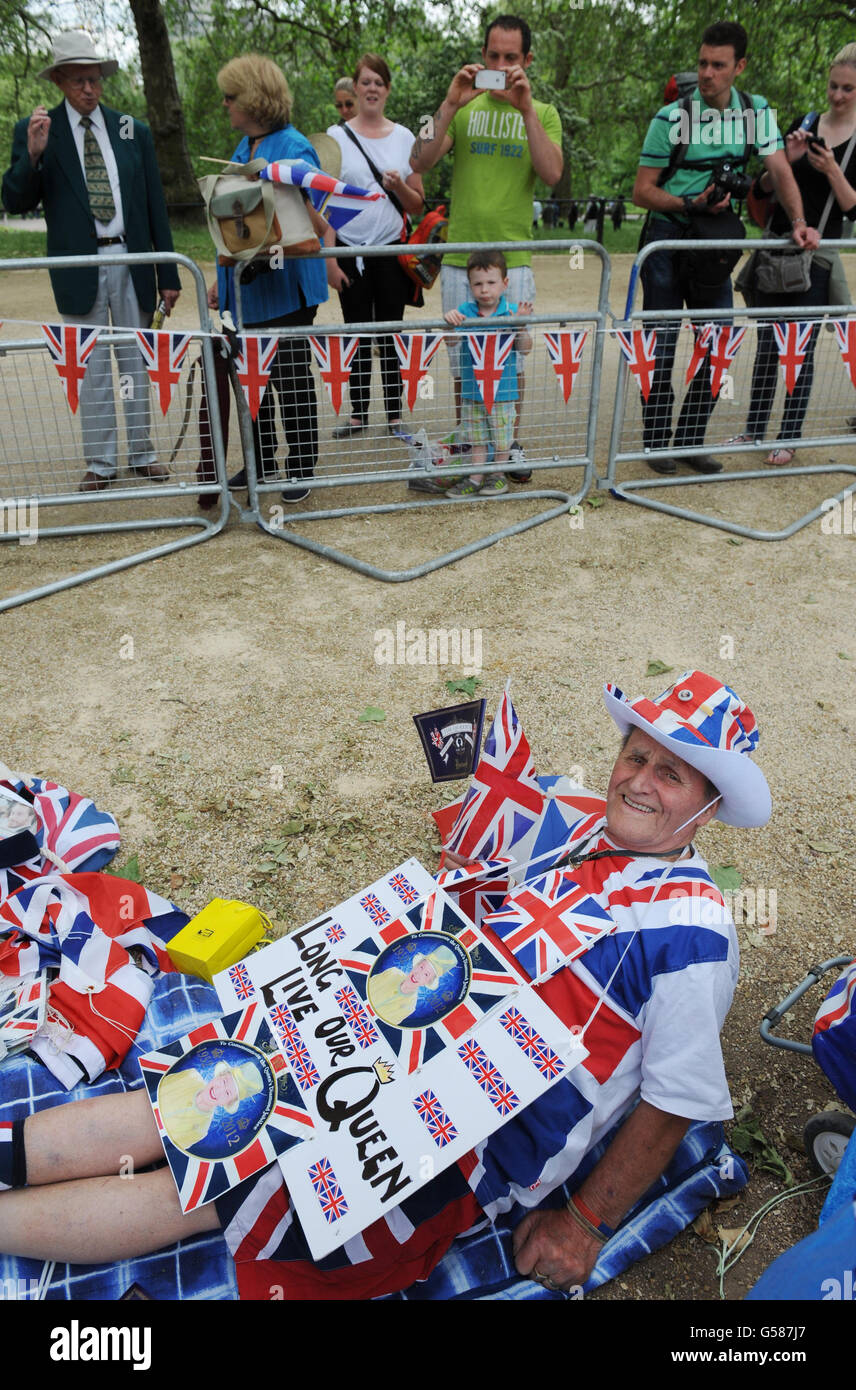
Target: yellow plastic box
[(218, 936)]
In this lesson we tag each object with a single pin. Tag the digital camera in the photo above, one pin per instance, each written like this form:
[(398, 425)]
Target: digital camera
[(727, 179)]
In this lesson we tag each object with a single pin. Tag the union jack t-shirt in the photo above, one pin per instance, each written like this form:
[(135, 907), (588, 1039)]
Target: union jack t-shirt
[(666, 967)]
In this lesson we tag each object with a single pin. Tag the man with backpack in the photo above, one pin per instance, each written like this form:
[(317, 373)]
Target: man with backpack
[(692, 164)]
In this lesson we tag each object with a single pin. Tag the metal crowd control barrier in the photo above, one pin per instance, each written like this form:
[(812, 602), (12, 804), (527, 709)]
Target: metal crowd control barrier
[(557, 434), (829, 404), (43, 456)]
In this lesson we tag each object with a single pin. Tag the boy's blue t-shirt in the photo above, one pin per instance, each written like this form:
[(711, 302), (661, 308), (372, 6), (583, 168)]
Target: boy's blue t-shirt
[(506, 389)]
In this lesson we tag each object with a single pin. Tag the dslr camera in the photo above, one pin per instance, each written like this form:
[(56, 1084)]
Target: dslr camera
[(727, 179)]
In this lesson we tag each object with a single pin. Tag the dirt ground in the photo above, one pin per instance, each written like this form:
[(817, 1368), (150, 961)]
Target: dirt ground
[(211, 700)]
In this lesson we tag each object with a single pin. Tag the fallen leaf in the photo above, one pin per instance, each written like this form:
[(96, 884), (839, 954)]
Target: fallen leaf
[(463, 687), (822, 847), (123, 774), (176, 881), (845, 656), (727, 877), (734, 540), (372, 715), (734, 1239), (184, 817), (658, 668), (704, 1227), (595, 501), (130, 871)]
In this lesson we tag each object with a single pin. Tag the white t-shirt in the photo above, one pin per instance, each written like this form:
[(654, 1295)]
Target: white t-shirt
[(380, 223)]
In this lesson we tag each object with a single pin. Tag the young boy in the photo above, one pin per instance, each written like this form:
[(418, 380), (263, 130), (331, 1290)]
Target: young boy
[(487, 274)]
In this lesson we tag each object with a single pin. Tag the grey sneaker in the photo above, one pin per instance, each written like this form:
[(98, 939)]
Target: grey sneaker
[(518, 472)]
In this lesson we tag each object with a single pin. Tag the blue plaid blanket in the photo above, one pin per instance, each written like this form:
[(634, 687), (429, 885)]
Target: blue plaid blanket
[(477, 1267)]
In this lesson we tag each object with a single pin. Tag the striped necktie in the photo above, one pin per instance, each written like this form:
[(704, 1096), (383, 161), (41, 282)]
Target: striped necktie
[(101, 201)]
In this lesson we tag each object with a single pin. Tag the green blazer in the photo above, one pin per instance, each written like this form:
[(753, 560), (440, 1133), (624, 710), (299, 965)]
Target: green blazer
[(59, 186)]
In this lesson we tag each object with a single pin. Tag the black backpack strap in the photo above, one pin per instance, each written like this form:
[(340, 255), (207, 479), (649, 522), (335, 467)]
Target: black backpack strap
[(375, 172)]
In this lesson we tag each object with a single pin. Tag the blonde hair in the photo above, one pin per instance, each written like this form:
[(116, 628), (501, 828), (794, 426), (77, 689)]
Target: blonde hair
[(259, 87), (345, 84), (846, 55)]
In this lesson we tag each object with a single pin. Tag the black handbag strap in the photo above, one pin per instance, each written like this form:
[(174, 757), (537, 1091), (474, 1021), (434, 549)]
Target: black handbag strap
[(375, 171)]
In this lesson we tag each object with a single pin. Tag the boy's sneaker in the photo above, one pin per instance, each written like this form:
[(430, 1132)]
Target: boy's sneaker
[(518, 472), (493, 486), (465, 488)]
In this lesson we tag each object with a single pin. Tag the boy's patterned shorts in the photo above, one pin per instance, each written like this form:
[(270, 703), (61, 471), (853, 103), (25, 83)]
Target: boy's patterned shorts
[(477, 427)]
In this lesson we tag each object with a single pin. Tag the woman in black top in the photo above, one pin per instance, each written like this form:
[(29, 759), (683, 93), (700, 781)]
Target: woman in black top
[(815, 152)]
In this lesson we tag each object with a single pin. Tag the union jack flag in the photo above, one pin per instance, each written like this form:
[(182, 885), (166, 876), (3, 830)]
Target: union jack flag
[(792, 340), (475, 894), (201, 1180), (638, 347), (334, 933), (372, 905), (405, 890), (70, 346), (725, 341), (504, 799), (845, 332), (438, 1124), (356, 1017), (490, 352), (330, 1196), (531, 1043), (415, 352), (296, 1052), (22, 1012), (243, 985), (566, 350), (550, 921), (488, 1078), (334, 355), (71, 829), (336, 201), (701, 344), (253, 362), (163, 354)]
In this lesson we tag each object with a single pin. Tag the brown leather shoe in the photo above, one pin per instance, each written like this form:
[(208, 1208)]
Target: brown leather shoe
[(94, 482), (158, 471)]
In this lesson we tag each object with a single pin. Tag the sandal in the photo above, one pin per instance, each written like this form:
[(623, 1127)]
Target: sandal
[(780, 458), (742, 439)]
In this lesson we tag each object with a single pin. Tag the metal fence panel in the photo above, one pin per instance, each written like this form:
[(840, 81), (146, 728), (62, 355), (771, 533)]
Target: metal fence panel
[(753, 396), (44, 451), (336, 369)]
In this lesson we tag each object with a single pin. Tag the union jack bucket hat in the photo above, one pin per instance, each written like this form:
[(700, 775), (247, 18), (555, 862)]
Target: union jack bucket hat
[(708, 725)]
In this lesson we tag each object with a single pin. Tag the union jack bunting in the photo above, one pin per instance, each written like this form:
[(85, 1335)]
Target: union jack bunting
[(70, 346), (701, 345), (330, 1196), (274, 1122), (504, 799), (253, 362), (834, 1037), (638, 348), (476, 894), (550, 921), (415, 353), (163, 353), (70, 826), (356, 1017), (533, 1046), (438, 1124), (792, 341), (334, 355), (725, 340), (845, 332), (490, 352), (566, 350)]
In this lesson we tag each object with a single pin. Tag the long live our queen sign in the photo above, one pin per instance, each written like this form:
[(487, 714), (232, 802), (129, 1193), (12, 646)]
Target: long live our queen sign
[(409, 1038)]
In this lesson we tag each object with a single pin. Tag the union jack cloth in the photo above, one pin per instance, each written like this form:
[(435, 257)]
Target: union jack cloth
[(70, 347), (163, 353), (566, 351), (201, 1180), (639, 350), (334, 355), (478, 888), (490, 352), (253, 362), (415, 353), (84, 925), (504, 799), (337, 202), (792, 340), (845, 333), (834, 1038), (725, 340), (71, 828)]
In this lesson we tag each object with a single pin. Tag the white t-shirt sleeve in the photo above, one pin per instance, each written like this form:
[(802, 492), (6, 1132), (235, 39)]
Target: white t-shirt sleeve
[(682, 1068)]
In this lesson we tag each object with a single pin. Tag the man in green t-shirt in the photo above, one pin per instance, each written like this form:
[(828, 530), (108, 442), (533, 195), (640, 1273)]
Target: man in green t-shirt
[(500, 140)]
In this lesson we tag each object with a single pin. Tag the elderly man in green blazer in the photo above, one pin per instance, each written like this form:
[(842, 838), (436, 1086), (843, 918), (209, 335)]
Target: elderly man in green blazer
[(94, 173)]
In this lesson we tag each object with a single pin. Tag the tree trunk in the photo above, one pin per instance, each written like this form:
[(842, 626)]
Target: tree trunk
[(165, 114)]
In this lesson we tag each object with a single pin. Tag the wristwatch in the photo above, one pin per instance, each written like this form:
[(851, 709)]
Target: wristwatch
[(689, 204)]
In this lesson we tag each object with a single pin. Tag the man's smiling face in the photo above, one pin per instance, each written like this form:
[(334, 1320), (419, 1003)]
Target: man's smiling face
[(651, 793)]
